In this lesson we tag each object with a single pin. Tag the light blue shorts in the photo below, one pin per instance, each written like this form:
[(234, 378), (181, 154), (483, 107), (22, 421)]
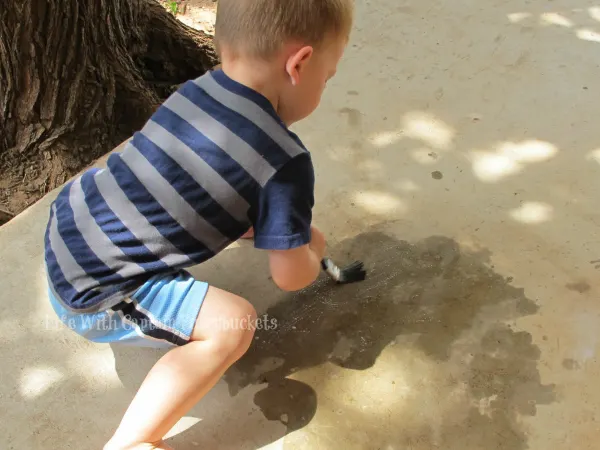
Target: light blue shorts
[(162, 313)]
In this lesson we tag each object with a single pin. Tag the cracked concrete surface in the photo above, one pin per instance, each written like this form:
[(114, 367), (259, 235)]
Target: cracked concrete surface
[(457, 154)]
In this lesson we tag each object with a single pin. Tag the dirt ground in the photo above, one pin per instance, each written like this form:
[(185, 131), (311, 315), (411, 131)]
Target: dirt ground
[(198, 14)]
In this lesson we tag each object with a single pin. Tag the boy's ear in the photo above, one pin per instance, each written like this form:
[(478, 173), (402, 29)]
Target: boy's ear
[(297, 62)]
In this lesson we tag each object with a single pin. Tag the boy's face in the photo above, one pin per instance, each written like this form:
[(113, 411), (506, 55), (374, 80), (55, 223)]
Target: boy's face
[(310, 77)]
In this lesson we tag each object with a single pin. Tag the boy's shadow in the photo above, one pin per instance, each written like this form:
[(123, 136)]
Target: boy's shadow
[(431, 291)]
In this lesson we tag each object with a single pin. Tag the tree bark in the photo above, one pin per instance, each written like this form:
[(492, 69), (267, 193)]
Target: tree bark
[(77, 77)]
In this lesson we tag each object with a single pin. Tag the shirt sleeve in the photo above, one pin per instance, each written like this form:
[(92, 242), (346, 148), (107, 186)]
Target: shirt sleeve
[(284, 212)]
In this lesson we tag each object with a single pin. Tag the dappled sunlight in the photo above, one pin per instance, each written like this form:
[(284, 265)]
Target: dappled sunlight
[(185, 423), (560, 20), (402, 373), (419, 126), (588, 35), (233, 245), (471, 243), (37, 380), (404, 383), (555, 19), (509, 158), (492, 167), (485, 405), (406, 186), (393, 386), (379, 202), (529, 151), (199, 18), (518, 17), (429, 129), (532, 213), (385, 138), (594, 155)]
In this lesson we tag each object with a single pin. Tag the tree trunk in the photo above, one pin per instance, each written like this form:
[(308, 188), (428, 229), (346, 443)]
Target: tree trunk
[(77, 77)]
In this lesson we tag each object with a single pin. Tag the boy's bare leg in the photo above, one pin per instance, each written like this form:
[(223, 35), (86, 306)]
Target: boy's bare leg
[(248, 234), (185, 374)]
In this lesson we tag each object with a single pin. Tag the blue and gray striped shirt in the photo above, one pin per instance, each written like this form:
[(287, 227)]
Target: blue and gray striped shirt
[(212, 161)]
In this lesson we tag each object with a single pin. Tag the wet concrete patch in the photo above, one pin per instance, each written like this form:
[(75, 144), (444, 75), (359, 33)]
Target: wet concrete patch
[(579, 286), (291, 402), (571, 364), (444, 304), (354, 116)]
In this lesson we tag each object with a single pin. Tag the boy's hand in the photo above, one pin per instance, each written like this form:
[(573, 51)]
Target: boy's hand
[(298, 268)]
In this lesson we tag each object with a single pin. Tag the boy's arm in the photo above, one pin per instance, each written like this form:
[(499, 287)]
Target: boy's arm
[(282, 225), (297, 268)]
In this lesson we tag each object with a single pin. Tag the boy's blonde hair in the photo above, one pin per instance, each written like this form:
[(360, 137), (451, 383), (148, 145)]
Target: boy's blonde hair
[(259, 27)]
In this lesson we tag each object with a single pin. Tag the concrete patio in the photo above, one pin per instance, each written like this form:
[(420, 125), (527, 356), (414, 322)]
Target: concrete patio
[(458, 154)]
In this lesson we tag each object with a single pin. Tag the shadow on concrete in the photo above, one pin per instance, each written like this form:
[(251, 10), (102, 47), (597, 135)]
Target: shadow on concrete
[(444, 302)]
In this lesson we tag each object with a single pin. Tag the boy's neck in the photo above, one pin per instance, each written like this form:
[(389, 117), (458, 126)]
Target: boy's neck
[(256, 75)]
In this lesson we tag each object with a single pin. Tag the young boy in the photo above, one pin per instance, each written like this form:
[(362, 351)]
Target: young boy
[(215, 160)]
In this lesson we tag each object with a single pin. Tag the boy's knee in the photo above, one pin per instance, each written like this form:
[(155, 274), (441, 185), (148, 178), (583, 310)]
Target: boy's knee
[(237, 333)]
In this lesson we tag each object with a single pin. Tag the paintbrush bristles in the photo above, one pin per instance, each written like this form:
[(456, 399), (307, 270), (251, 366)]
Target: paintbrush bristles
[(353, 273), (349, 274)]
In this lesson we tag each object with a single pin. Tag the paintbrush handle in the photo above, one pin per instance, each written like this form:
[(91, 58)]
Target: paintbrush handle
[(331, 269)]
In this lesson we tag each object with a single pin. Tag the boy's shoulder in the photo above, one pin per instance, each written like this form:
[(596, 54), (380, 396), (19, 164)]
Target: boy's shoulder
[(214, 112)]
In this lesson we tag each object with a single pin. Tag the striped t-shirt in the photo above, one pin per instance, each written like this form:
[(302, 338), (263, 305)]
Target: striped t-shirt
[(212, 161)]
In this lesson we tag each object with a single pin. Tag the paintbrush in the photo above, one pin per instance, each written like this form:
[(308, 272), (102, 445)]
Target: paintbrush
[(350, 274)]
